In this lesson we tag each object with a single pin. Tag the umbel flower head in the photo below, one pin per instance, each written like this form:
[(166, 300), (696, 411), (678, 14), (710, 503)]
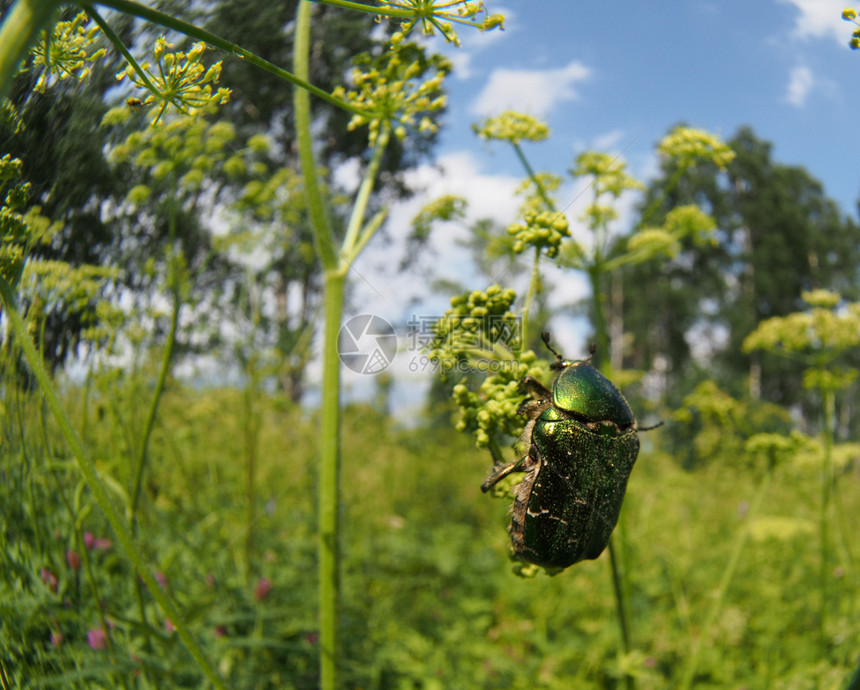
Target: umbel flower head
[(436, 15), (401, 87), (819, 336), (513, 127), (688, 146), (850, 15), (66, 53), (181, 81), (544, 230), (480, 333)]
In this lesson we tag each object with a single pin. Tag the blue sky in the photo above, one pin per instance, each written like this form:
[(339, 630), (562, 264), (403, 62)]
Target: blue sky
[(616, 77), (622, 73)]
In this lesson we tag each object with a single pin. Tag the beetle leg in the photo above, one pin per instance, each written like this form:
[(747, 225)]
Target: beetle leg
[(500, 473), (535, 388)]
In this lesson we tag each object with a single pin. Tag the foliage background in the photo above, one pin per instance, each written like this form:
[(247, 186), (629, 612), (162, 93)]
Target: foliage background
[(733, 555)]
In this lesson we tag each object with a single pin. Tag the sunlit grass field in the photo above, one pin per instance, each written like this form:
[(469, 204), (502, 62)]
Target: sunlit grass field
[(430, 597)]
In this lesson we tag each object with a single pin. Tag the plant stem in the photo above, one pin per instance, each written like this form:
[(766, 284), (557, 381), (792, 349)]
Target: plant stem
[(20, 27), (329, 485), (329, 468), (323, 239), (601, 334), (620, 607), (251, 430), (149, 423), (88, 470), (357, 232), (372, 9), (534, 285), (533, 177), (827, 399)]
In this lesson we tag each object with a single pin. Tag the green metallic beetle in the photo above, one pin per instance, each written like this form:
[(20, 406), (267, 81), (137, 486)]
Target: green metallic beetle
[(583, 442)]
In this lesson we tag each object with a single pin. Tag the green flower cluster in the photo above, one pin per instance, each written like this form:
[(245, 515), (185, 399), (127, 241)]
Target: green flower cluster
[(681, 222), (544, 230), (66, 53), (390, 89), (187, 147), (688, 145), (822, 328), (181, 81), (609, 173), (20, 230), (850, 15), (819, 336), (481, 332), (512, 126), (492, 411), (439, 17), (478, 323)]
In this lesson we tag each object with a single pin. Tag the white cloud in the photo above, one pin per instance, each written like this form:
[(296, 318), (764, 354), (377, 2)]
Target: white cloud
[(379, 287), (609, 141), (820, 19), (535, 92), (801, 82)]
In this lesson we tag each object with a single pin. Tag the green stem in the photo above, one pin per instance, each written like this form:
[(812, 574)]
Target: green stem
[(140, 458), (329, 485), (664, 194), (371, 9), (533, 176), (824, 527), (620, 607), (534, 286), (302, 106), (335, 278), (250, 428), (120, 46), (725, 580), (352, 241), (20, 27), (88, 470), (601, 333)]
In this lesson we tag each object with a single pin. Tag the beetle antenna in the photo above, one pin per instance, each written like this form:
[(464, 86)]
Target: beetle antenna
[(649, 428), (545, 337)]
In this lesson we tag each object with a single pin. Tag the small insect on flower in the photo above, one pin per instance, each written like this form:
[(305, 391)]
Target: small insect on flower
[(582, 443)]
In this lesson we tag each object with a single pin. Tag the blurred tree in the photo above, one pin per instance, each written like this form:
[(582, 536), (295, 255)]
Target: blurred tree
[(778, 234), (56, 134), (63, 146)]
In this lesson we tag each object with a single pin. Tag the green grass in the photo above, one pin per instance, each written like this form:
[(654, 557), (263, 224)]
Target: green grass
[(429, 596)]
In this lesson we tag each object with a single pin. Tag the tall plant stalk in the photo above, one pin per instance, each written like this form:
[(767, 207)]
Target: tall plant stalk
[(329, 465), (827, 399), (336, 264)]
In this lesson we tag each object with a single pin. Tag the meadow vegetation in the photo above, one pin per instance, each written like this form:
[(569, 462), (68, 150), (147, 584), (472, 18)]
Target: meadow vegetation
[(164, 532)]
